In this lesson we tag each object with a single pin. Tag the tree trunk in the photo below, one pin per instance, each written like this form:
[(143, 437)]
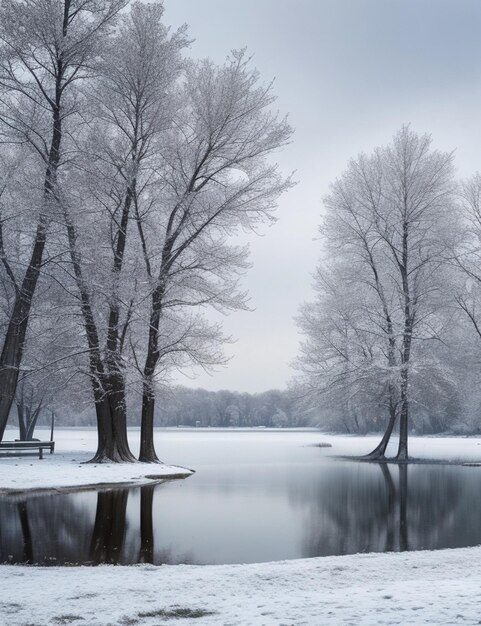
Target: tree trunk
[(118, 410), (13, 345), (112, 444), (402, 454), (108, 390), (147, 448), (115, 385), (32, 422), (380, 451), (21, 421)]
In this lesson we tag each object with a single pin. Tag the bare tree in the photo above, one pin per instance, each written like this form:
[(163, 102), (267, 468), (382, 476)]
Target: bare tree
[(132, 108), (46, 47), (390, 222), (215, 179)]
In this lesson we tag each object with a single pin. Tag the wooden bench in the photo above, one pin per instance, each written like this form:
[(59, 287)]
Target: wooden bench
[(19, 448)]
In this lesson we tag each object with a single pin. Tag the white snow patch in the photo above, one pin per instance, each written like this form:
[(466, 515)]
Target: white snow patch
[(407, 588), (67, 468)]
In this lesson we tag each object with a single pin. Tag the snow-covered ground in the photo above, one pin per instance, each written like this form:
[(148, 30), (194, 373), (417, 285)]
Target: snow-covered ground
[(409, 588), (66, 468)]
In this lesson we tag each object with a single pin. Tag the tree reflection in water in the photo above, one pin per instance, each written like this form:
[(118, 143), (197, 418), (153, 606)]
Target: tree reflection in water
[(62, 530), (343, 509), (26, 535), (109, 527), (436, 508), (146, 553)]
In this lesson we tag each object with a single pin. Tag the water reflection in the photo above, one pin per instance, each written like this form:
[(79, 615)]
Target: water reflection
[(109, 527), (410, 508), (245, 517)]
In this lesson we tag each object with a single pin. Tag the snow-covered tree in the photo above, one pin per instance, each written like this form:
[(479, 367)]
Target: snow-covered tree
[(46, 48), (215, 179), (391, 218)]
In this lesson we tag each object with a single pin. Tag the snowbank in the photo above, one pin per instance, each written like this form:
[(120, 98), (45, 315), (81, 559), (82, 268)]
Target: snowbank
[(407, 588), (66, 471), (66, 468)]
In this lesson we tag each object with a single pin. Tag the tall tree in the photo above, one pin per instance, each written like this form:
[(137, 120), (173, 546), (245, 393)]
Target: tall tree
[(391, 218), (46, 47), (216, 179), (131, 105)]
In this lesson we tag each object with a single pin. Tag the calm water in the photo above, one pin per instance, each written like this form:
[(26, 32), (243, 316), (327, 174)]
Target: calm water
[(255, 497)]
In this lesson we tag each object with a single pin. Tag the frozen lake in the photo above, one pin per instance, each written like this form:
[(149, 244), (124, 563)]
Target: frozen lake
[(256, 496)]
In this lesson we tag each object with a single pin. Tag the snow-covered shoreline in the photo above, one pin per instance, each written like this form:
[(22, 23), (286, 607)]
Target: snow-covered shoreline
[(69, 471), (408, 588)]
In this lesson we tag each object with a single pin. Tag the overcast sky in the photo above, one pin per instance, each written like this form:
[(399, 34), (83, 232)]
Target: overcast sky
[(349, 73)]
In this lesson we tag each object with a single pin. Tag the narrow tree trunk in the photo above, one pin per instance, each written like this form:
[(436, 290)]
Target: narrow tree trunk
[(379, 452), (21, 421), (115, 385), (13, 345), (32, 422), (409, 316), (402, 454), (52, 424), (147, 448), (118, 409), (108, 392)]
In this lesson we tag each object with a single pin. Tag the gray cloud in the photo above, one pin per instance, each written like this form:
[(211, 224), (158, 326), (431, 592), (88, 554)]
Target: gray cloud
[(349, 73)]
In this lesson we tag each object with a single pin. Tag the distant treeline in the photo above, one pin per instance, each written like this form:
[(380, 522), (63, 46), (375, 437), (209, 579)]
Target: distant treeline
[(183, 406)]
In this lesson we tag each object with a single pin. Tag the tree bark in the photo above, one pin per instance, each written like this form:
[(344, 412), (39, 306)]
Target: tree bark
[(112, 443), (402, 454), (108, 391), (380, 450), (13, 345), (21, 420), (147, 447)]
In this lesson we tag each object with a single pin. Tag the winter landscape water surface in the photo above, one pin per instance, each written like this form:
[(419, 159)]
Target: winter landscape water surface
[(256, 496)]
